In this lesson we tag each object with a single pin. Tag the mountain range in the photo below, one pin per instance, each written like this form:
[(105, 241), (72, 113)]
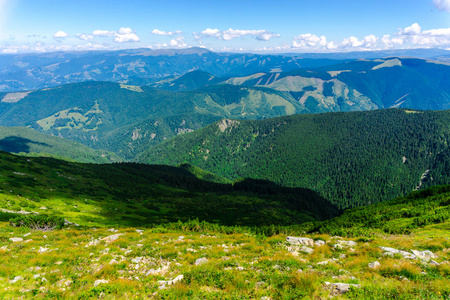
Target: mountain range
[(128, 119)]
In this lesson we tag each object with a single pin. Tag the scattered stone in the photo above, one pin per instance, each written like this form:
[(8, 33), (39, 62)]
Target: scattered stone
[(136, 260), (93, 242), (434, 263), (239, 268), (391, 251), (140, 231), (374, 265), (113, 262), (342, 256), (260, 283), (36, 276), (300, 241), (112, 238), (341, 288), (163, 283), (15, 239), (27, 234), (100, 281), (58, 262), (306, 250), (180, 238), (201, 261), (424, 255), (191, 250), (43, 250), (323, 263), (266, 298), (319, 243), (17, 278)]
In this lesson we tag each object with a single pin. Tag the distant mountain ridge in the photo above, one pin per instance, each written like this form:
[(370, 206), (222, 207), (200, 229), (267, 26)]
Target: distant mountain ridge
[(22, 72)]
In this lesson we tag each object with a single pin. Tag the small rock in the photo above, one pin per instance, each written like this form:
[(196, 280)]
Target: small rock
[(434, 263), (374, 265), (163, 283), (341, 288), (136, 260), (112, 238), (58, 262), (113, 262), (17, 278), (15, 239), (201, 261), (43, 250), (424, 255), (300, 241), (306, 250), (100, 281), (319, 243), (180, 238), (323, 262)]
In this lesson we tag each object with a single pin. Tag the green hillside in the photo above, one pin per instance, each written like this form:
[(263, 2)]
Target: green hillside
[(26, 141), (129, 194), (353, 159), (363, 84), (124, 118), (430, 207)]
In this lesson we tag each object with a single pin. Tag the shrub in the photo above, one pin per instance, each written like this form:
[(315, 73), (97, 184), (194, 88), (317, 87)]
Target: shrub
[(38, 222)]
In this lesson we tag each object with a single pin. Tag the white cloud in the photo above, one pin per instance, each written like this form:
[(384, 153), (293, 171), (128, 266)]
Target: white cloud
[(352, 42), (309, 40), (442, 4), (9, 51), (60, 35), (229, 34), (85, 37), (103, 33), (429, 38), (126, 35), (178, 42), (414, 29), (162, 32)]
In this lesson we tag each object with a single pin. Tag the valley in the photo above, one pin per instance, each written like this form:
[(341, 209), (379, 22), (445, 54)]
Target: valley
[(247, 176)]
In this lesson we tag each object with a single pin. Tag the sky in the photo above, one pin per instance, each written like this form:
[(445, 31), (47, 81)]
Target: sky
[(276, 26)]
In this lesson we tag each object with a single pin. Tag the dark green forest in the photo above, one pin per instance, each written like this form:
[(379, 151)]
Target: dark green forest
[(352, 159)]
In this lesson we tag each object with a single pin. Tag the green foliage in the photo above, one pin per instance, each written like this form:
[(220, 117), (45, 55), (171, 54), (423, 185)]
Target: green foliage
[(399, 216), (352, 159), (38, 222), (137, 194)]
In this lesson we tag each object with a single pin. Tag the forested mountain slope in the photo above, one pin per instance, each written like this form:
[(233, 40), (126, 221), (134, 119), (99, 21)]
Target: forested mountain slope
[(352, 159)]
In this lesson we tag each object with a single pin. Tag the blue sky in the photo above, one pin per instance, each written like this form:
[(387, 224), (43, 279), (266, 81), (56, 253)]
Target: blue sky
[(245, 25)]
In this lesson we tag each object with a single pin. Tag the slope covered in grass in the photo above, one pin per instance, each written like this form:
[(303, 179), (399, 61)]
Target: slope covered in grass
[(138, 194), (402, 215), (26, 141)]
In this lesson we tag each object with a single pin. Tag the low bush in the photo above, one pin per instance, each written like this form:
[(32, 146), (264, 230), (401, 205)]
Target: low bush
[(38, 222)]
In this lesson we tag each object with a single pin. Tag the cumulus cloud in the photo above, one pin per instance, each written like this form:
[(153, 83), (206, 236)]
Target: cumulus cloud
[(414, 29), (229, 34), (178, 42), (443, 5), (103, 33), (429, 38), (162, 32), (126, 35), (60, 35), (85, 37)]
